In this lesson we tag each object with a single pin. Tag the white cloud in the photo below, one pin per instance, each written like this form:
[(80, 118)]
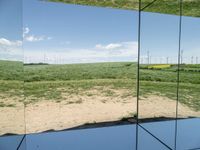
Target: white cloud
[(49, 38), (26, 31), (109, 46), (126, 52), (119, 49), (65, 43), (6, 42), (32, 38), (10, 50)]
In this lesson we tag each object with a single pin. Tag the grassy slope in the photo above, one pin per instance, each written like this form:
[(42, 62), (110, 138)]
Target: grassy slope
[(80, 71), (11, 70), (42, 80), (76, 78), (191, 7), (11, 81), (115, 70), (50, 81)]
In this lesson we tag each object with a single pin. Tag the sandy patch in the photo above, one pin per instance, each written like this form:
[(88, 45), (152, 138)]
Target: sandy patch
[(77, 110), (12, 116)]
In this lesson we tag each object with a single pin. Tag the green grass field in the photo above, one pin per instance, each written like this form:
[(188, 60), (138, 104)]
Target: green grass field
[(190, 7), (50, 81), (11, 70)]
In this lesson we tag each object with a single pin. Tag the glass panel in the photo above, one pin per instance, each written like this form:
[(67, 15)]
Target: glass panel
[(145, 4), (160, 6), (41, 80), (188, 129), (149, 140), (11, 75), (190, 68), (11, 142), (158, 72), (110, 138), (80, 65), (188, 134)]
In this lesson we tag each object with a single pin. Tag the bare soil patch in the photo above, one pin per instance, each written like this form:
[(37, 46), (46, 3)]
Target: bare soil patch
[(75, 110)]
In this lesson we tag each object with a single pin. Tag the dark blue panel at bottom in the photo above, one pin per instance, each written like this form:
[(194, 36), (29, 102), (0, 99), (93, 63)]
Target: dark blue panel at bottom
[(110, 138), (10, 142), (188, 136), (148, 142)]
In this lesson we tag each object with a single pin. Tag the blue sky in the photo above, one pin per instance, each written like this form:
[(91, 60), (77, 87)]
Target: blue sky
[(80, 34), (61, 33), (11, 29)]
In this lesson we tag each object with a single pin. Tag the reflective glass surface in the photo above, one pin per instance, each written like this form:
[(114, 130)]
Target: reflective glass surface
[(12, 121), (55, 98), (159, 46), (189, 85), (116, 137)]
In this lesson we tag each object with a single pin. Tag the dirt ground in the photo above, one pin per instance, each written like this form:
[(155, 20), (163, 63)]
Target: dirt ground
[(78, 110)]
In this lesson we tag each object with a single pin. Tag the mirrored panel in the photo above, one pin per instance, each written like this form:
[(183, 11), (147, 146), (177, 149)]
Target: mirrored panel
[(163, 6), (12, 142), (80, 66), (159, 45), (43, 75), (189, 66), (150, 141), (189, 86), (160, 6), (12, 122), (109, 138)]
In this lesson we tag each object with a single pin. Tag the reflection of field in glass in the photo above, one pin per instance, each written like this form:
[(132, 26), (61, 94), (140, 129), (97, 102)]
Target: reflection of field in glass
[(191, 7), (63, 96), (161, 80), (11, 97)]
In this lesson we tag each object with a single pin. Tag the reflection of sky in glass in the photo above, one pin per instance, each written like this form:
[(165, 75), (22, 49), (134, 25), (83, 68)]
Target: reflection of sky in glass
[(11, 30), (109, 138), (159, 38), (190, 40), (61, 33), (73, 34)]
